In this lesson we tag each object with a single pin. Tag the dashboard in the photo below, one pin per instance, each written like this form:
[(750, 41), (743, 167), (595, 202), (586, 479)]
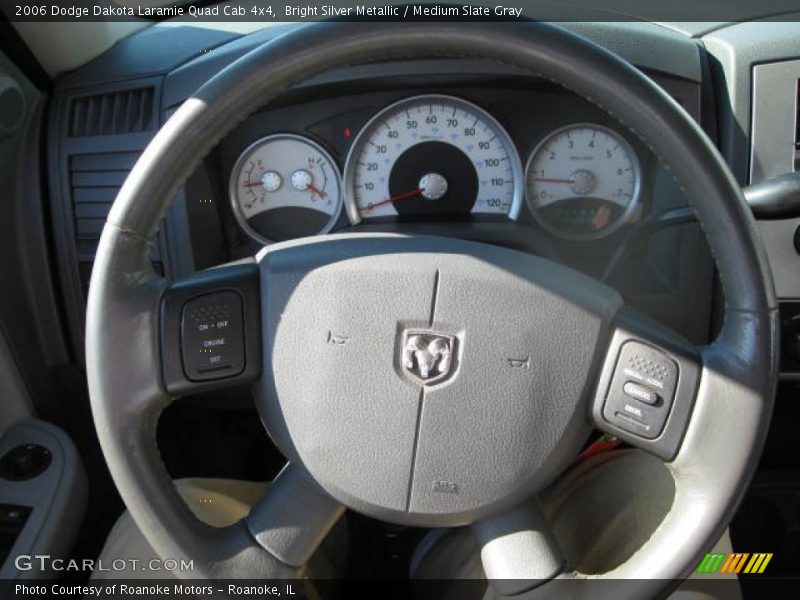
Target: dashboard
[(454, 147), (478, 156), (503, 159)]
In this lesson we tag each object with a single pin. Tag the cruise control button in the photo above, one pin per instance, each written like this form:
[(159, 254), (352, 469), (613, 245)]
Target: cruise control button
[(645, 379), (212, 336), (641, 393)]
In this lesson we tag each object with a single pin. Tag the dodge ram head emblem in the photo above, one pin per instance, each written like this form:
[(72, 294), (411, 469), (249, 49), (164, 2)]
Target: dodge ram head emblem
[(427, 356)]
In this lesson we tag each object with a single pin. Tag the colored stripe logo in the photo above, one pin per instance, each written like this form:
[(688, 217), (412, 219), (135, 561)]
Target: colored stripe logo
[(734, 563)]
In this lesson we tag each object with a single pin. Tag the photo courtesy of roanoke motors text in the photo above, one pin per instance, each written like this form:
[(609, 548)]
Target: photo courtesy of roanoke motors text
[(491, 300)]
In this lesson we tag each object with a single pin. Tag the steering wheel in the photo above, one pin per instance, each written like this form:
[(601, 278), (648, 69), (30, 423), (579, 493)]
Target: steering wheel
[(528, 355)]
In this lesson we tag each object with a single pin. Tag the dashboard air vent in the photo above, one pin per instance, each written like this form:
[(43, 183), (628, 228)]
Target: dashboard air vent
[(111, 113), (95, 180)]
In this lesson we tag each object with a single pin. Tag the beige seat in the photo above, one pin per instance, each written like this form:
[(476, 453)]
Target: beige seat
[(590, 510)]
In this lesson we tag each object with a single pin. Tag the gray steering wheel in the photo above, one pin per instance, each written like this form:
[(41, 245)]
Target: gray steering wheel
[(524, 384)]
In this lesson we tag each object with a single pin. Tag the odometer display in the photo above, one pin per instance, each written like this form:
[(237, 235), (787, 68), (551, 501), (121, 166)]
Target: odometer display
[(432, 155)]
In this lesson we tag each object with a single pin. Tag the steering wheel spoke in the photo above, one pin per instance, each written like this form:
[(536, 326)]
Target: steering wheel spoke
[(518, 550), (647, 385), (293, 517), (210, 329)]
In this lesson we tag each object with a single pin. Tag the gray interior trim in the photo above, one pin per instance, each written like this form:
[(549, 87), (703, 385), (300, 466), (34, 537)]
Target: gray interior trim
[(784, 260), (57, 496), (736, 49), (772, 151), (646, 45), (15, 403), (758, 61)]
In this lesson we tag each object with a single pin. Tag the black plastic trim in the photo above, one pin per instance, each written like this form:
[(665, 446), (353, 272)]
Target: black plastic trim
[(243, 279), (60, 149), (630, 326)]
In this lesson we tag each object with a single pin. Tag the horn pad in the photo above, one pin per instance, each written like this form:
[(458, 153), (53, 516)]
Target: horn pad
[(427, 381)]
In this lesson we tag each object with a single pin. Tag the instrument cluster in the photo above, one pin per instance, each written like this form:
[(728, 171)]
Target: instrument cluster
[(439, 157)]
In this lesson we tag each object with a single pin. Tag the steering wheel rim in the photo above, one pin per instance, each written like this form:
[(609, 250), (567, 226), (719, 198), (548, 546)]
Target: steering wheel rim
[(733, 401)]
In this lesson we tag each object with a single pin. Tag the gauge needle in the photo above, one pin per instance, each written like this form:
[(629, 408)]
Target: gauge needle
[(315, 190), (546, 180), (402, 196), (252, 184)]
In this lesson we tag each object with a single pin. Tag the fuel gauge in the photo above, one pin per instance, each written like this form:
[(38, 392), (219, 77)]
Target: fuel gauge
[(285, 186)]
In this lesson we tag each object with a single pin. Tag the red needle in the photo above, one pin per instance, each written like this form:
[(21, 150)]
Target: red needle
[(546, 180), (315, 190), (256, 184), (402, 196)]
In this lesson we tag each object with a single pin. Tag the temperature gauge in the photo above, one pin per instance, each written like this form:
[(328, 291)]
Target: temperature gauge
[(285, 186)]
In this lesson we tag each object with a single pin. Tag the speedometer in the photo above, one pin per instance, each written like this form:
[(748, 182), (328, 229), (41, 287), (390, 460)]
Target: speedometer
[(432, 155)]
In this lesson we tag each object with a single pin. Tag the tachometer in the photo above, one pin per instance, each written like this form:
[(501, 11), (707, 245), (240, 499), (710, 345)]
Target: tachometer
[(285, 186), (432, 155), (583, 181)]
